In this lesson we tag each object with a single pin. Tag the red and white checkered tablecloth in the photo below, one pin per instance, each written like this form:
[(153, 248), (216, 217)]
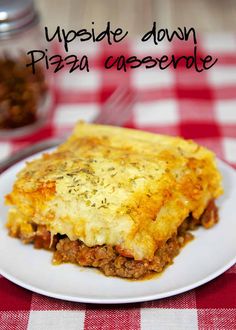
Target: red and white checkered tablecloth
[(200, 106)]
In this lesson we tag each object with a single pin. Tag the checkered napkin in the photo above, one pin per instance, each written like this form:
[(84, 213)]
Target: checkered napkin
[(200, 106)]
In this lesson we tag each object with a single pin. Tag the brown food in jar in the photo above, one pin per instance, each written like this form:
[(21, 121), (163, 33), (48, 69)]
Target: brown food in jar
[(20, 92)]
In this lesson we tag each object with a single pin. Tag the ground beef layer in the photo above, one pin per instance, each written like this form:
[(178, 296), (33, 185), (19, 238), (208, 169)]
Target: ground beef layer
[(109, 260)]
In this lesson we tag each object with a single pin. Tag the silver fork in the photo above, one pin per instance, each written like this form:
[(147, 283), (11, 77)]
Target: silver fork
[(115, 111)]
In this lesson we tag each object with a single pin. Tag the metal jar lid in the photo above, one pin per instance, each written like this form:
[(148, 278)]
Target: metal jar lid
[(16, 16)]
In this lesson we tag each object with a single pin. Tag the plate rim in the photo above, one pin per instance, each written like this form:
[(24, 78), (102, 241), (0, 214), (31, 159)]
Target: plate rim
[(113, 301)]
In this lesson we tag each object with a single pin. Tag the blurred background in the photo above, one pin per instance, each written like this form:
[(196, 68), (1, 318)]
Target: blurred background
[(137, 15), (183, 102)]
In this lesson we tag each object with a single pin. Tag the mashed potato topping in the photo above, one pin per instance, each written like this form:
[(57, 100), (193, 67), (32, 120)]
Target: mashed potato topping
[(114, 186)]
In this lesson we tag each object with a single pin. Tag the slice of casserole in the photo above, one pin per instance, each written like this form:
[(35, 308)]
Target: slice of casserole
[(117, 199)]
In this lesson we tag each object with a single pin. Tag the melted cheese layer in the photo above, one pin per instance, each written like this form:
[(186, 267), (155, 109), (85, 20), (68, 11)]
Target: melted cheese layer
[(109, 185)]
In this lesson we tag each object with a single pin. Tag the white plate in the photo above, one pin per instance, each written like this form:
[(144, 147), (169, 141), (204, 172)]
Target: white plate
[(210, 254)]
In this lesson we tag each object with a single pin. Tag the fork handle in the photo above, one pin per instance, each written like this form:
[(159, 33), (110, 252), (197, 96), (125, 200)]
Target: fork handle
[(28, 151)]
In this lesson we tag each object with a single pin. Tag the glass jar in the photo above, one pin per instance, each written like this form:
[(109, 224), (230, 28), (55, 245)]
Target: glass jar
[(25, 98)]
